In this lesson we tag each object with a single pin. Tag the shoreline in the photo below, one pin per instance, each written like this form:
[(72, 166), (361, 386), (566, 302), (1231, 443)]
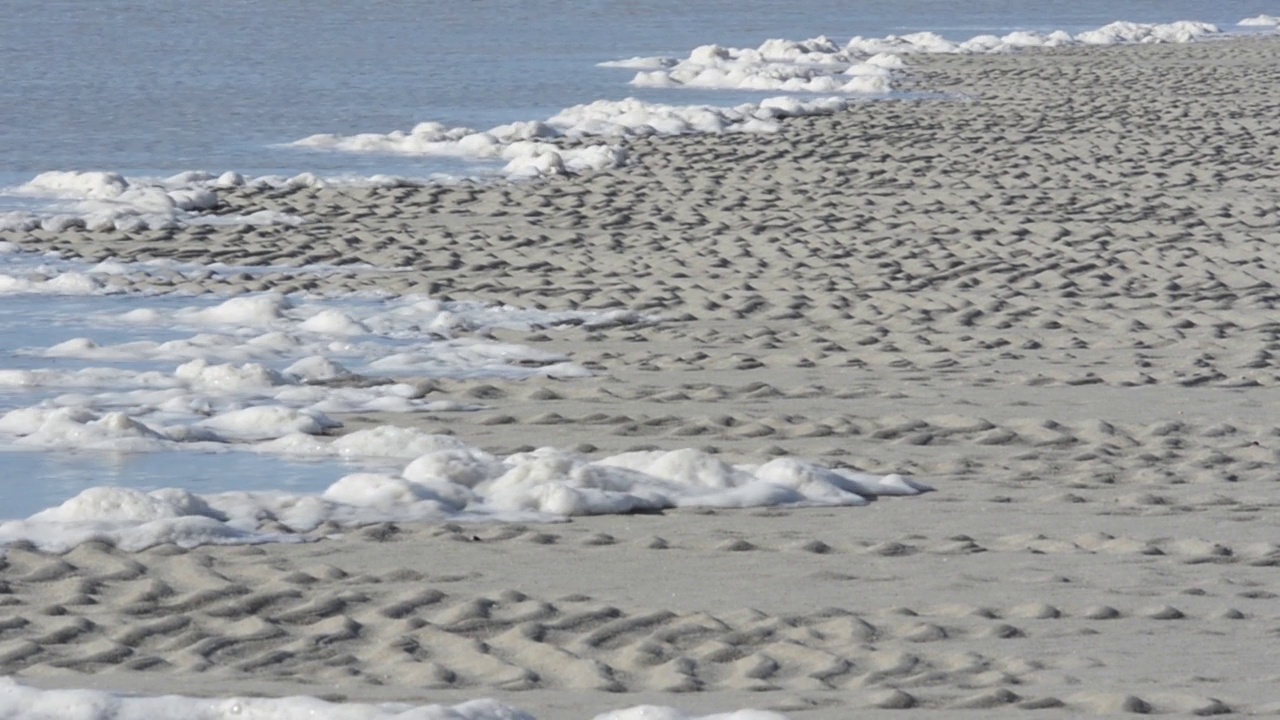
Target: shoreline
[(552, 212), (1049, 301)]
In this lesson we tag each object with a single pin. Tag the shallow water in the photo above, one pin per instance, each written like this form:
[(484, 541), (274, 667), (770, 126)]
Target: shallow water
[(33, 481)]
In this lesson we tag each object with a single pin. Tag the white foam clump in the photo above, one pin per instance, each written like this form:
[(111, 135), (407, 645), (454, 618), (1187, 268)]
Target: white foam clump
[(864, 65), (248, 310), (49, 273), (226, 377), (334, 322), (607, 119), (523, 146), (107, 201), (655, 712), (1117, 33), (74, 427), (66, 283), (269, 367), (448, 480), (636, 118), (175, 419), (93, 200), (1260, 21), (267, 422), (21, 702), (562, 483), (810, 66), (316, 369), (131, 520)]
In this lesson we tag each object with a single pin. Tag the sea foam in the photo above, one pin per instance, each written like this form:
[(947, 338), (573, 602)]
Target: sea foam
[(448, 481), (109, 201), (265, 373), (601, 120), (21, 702), (866, 65), (1260, 21), (259, 367)]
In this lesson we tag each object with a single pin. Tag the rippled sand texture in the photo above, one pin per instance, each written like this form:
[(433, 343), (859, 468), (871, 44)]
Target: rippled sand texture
[(1051, 300)]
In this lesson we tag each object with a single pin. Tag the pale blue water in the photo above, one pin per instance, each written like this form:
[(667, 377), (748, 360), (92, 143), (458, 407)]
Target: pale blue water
[(33, 481), (150, 87)]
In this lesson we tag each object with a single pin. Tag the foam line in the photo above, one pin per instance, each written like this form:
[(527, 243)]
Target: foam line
[(447, 481)]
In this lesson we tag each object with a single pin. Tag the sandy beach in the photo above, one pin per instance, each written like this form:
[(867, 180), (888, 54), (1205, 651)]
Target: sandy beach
[(1044, 288)]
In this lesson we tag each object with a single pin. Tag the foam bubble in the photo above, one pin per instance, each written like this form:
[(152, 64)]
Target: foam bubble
[(68, 283), (78, 428), (1260, 21), (20, 701), (267, 422), (1118, 33), (125, 505), (522, 146), (864, 65), (244, 310), (333, 322), (447, 479), (811, 66), (602, 119), (316, 368), (107, 201), (390, 441), (226, 377)]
